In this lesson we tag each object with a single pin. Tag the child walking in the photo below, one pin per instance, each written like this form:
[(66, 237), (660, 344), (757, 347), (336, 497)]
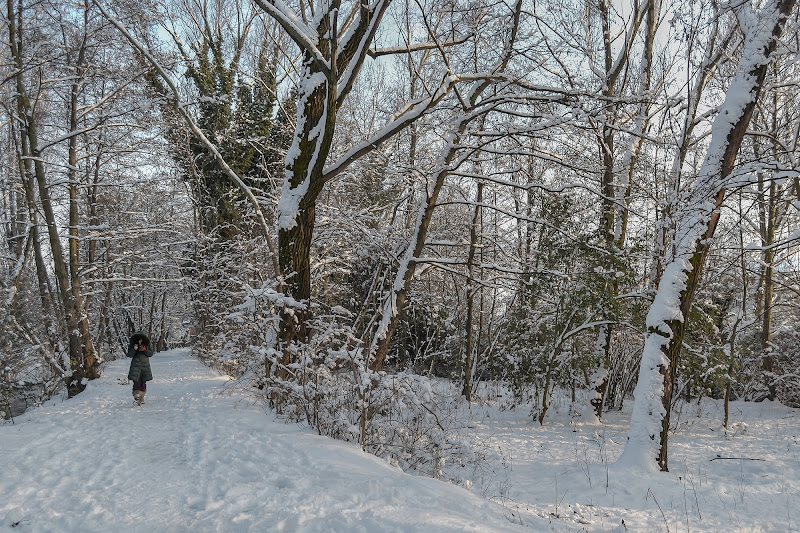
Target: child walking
[(140, 373)]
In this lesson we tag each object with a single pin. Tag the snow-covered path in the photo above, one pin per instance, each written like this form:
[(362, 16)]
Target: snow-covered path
[(198, 457)]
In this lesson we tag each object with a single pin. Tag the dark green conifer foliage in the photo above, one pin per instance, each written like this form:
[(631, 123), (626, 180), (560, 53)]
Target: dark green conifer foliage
[(235, 97), (235, 112), (280, 136)]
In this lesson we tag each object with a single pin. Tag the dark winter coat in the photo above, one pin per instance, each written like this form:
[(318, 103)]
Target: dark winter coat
[(140, 365)]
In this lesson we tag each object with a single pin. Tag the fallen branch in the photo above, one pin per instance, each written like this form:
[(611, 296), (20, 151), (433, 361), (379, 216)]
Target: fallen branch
[(738, 458)]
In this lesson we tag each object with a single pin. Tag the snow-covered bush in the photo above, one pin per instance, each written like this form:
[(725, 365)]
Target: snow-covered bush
[(30, 369), (786, 352), (410, 420), (26, 378)]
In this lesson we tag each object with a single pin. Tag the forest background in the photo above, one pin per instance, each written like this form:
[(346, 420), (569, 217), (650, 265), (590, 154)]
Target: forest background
[(349, 206)]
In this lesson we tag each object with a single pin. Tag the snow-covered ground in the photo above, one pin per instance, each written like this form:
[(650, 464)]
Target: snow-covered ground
[(746, 479), (199, 456)]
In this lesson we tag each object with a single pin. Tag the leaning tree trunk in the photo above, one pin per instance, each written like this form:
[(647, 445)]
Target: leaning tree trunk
[(26, 175), (390, 314), (666, 320)]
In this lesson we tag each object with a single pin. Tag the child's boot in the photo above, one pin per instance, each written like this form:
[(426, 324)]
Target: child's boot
[(141, 396), (137, 397)]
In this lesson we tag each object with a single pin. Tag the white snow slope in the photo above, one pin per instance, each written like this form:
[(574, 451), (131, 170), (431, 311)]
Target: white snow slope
[(197, 457)]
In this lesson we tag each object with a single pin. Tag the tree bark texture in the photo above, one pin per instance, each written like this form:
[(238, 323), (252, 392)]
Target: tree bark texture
[(330, 65)]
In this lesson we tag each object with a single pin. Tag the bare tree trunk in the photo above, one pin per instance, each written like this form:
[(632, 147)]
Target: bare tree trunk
[(94, 220), (161, 345), (26, 171), (91, 364), (304, 181), (468, 348), (770, 221), (76, 381), (769, 211), (613, 218), (330, 66), (394, 303)]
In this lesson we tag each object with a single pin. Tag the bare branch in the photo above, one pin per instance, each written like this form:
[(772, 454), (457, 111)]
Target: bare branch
[(375, 53), (298, 30)]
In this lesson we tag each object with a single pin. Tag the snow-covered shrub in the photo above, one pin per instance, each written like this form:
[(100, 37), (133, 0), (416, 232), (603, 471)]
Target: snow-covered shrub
[(786, 353), (234, 316), (30, 373), (416, 424), (26, 377), (410, 420)]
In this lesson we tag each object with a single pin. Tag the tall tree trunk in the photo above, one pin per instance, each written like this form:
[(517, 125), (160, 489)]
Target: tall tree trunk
[(76, 380), (613, 217), (297, 212), (470, 294), (768, 199), (770, 221), (26, 176), (91, 363), (94, 220), (330, 65), (666, 320), (294, 253)]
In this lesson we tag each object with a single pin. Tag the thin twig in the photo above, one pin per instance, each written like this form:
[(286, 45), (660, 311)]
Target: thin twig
[(650, 492)]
